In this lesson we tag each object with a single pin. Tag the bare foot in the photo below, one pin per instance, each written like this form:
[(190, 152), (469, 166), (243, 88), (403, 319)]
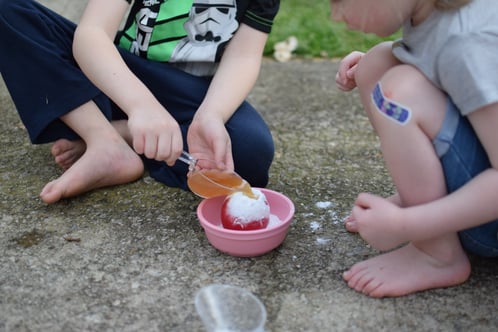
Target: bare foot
[(407, 270), (349, 223), (99, 166), (66, 152)]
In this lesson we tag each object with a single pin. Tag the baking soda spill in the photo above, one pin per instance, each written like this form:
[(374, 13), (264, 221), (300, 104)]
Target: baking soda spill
[(315, 225), (323, 205), (322, 241), (332, 214), (274, 221), (248, 208)]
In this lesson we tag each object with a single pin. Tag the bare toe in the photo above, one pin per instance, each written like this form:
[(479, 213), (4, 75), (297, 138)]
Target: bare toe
[(406, 270), (98, 167), (66, 152)]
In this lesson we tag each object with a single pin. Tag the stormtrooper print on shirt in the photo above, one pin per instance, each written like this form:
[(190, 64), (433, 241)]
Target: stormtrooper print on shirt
[(191, 34), (208, 27), (146, 18)]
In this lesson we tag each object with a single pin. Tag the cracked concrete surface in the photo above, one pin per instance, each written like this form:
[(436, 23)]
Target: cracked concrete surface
[(132, 257)]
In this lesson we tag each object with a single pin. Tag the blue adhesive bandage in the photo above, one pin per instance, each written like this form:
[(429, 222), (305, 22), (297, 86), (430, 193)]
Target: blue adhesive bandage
[(389, 108)]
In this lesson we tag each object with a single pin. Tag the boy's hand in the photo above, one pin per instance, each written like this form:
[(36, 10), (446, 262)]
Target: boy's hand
[(345, 75), (208, 138), (156, 135)]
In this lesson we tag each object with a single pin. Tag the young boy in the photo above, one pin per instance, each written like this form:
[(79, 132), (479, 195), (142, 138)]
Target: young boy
[(432, 98), (176, 77)]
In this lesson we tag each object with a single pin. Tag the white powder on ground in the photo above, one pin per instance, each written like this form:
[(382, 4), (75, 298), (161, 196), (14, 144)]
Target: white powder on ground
[(323, 205)]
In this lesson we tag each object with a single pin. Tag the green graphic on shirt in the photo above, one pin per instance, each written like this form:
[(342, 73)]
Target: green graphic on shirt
[(157, 29)]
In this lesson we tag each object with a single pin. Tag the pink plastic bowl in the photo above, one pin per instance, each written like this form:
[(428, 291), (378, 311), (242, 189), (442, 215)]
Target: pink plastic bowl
[(246, 243)]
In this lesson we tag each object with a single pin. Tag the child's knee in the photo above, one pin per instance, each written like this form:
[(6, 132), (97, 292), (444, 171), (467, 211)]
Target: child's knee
[(405, 95), (390, 96), (403, 81), (253, 161)]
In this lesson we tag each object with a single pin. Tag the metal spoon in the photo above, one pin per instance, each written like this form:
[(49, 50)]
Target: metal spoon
[(210, 181)]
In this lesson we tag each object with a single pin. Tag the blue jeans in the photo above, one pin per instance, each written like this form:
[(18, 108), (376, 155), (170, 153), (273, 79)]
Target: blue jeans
[(463, 157)]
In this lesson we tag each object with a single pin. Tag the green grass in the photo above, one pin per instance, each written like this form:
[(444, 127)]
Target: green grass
[(318, 35)]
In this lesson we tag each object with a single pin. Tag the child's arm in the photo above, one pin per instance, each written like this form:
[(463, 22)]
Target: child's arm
[(344, 78), (236, 75), (155, 133)]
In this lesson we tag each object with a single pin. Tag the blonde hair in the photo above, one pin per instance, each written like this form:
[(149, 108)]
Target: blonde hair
[(450, 4)]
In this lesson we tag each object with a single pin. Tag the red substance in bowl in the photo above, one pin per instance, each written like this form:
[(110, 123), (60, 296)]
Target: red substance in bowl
[(240, 212), (247, 243)]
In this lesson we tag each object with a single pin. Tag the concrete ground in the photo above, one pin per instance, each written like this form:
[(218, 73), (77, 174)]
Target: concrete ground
[(142, 255)]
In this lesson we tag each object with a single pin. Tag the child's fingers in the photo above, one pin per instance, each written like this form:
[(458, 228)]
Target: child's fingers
[(139, 144), (364, 200), (362, 203), (350, 72), (350, 224)]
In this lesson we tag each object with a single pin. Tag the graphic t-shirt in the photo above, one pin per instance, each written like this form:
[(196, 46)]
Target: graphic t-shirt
[(191, 33)]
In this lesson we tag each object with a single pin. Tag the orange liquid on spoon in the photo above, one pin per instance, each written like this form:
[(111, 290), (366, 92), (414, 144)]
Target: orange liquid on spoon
[(211, 183)]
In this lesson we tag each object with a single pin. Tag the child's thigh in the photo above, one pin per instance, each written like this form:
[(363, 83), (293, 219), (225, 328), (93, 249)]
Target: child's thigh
[(463, 157), (247, 126), (481, 240), (459, 149), (252, 144)]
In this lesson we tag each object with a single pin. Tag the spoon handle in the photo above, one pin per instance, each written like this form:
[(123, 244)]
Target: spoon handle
[(187, 159)]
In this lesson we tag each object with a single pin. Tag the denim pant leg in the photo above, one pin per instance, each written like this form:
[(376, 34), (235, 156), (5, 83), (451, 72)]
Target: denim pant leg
[(463, 157), (39, 70)]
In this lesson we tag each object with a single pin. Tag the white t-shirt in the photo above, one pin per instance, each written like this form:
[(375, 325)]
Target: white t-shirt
[(458, 51)]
